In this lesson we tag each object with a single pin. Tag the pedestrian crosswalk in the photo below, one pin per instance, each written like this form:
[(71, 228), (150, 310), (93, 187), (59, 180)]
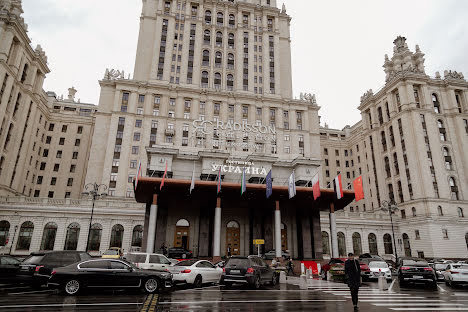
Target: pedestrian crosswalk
[(390, 300)]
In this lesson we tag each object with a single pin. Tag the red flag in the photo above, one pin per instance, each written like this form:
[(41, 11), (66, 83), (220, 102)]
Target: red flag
[(316, 186), (164, 177), (338, 187), (358, 189)]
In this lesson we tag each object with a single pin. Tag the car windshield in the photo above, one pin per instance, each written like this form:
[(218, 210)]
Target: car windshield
[(415, 262), (238, 262), (135, 258), (33, 260), (111, 252), (130, 264), (378, 265), (460, 267), (440, 266), (186, 263)]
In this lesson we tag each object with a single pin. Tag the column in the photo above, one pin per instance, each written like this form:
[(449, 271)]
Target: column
[(152, 225), (217, 230), (278, 231), (333, 234)]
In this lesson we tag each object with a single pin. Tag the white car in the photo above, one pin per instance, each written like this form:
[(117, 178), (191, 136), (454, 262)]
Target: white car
[(378, 268), (456, 274), (195, 272), (148, 261)]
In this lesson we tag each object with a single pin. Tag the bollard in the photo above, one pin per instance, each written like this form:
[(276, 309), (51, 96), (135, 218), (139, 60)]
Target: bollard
[(309, 274), (303, 282), (383, 283), (282, 279)]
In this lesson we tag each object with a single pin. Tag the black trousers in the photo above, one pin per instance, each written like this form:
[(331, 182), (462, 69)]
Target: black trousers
[(354, 294)]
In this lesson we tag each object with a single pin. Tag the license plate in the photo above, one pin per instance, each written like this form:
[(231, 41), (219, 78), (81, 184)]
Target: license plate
[(418, 277), (24, 269), (235, 271)]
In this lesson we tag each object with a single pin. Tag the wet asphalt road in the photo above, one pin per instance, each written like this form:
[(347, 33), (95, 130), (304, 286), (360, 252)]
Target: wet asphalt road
[(320, 296)]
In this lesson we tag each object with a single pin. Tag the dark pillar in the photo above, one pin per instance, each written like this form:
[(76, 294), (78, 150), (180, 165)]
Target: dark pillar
[(161, 227), (300, 249), (268, 226), (145, 227), (306, 234), (204, 239), (317, 233)]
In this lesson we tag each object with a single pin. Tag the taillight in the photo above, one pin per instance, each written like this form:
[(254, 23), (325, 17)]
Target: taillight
[(250, 270), (428, 269), (405, 268), (186, 271), (454, 272), (39, 267), (53, 272), (224, 270)]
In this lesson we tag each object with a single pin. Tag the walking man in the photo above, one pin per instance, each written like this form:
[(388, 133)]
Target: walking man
[(290, 267), (353, 275)]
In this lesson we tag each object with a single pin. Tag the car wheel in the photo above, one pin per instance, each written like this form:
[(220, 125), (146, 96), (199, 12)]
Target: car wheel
[(256, 283), (184, 256), (273, 280), (323, 274), (151, 285), (72, 287), (198, 281)]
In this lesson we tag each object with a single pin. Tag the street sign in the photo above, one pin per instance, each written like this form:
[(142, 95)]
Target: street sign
[(259, 242)]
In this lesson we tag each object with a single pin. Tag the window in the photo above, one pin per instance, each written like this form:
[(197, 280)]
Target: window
[(136, 136), (4, 232), (77, 142), (25, 235), (384, 141), (453, 189), (403, 214), (135, 150), (325, 243), (59, 154), (80, 130), (53, 181), (341, 244), (73, 233), (75, 155), (413, 210), (417, 235), (56, 167), (138, 123), (442, 133), (337, 153), (357, 247), (137, 236), (373, 250), (448, 159), (435, 102), (95, 237), (460, 212), (133, 164), (70, 182), (439, 211), (116, 236), (387, 167), (445, 234), (388, 246), (61, 141), (64, 128)]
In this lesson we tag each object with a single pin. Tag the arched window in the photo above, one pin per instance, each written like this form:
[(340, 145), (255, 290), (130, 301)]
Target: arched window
[(231, 42), (391, 195), (387, 167), (442, 132), (207, 37), (220, 19), (232, 238), (4, 231), (460, 212), (384, 140), (204, 79), (406, 245), (137, 236), (388, 246), (208, 17), (230, 61), (453, 188), (182, 222), (48, 236), (373, 250), (233, 224), (380, 115), (230, 82), (232, 20), (325, 243), (413, 210), (217, 80), (436, 103), (2, 160), (25, 235), (206, 58), (95, 237), (25, 73), (219, 39), (439, 211), (448, 159), (357, 246), (116, 236), (341, 244), (73, 233), (218, 59)]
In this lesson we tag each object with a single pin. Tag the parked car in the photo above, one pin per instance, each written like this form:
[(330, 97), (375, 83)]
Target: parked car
[(195, 272), (416, 270), (372, 257), (251, 270), (148, 261), (337, 264), (113, 253), (37, 268), (440, 268), (455, 274), (272, 254), (365, 271), (9, 267), (378, 268), (179, 253), (220, 264), (107, 274)]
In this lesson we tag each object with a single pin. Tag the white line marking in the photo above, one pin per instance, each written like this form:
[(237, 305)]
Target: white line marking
[(417, 304), (31, 292), (70, 304), (248, 301), (425, 309), (383, 300), (245, 290), (391, 286), (443, 290), (385, 297), (460, 294)]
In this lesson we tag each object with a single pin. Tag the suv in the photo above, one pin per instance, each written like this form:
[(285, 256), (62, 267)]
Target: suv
[(37, 268), (148, 261), (179, 253), (416, 270), (251, 270)]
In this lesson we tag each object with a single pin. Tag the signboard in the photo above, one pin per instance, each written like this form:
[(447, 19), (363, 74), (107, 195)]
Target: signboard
[(259, 242), (234, 166)]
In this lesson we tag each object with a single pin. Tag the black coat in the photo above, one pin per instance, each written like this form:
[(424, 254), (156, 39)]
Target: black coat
[(353, 273)]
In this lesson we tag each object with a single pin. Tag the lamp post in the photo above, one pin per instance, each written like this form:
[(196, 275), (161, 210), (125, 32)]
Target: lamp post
[(95, 191), (13, 240), (391, 207)]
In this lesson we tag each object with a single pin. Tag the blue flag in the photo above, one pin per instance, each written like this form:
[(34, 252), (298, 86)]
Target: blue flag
[(269, 185)]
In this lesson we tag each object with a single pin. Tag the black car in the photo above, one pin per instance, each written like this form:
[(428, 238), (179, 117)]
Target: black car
[(9, 267), (107, 274), (36, 269), (251, 270), (179, 253), (416, 271)]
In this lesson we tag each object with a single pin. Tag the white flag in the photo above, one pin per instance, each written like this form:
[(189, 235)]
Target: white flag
[(292, 185), (192, 185)]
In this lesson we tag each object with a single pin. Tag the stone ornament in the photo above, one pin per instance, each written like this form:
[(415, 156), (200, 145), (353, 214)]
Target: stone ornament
[(113, 74), (448, 74), (308, 97), (367, 95)]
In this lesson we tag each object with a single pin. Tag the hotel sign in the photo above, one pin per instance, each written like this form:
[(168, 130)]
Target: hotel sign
[(237, 166), (235, 130)]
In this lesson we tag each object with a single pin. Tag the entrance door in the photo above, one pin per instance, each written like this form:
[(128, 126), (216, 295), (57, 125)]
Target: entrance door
[(181, 235), (233, 238), (284, 237)]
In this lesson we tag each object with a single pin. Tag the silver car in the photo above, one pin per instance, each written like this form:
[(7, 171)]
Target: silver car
[(456, 274)]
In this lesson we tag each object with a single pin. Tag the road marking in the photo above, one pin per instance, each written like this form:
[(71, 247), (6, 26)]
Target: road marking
[(69, 305), (249, 301), (396, 300), (443, 290), (19, 287), (150, 304), (386, 297), (417, 304), (460, 294), (31, 292), (391, 286), (244, 290), (425, 309)]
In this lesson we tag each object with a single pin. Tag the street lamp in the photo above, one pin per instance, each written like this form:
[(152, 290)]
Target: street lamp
[(95, 191), (391, 207), (13, 240)]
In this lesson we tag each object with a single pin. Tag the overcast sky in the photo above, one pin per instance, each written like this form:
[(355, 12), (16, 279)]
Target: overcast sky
[(338, 46)]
